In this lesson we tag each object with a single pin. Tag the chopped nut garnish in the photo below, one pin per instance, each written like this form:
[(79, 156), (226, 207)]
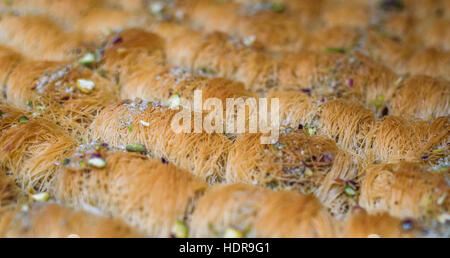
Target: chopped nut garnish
[(41, 197), (180, 230), (97, 162), (88, 59), (136, 148), (23, 119), (85, 86), (174, 101)]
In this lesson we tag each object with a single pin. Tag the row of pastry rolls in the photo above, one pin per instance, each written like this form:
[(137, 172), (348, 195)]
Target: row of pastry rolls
[(147, 122), (33, 30), (354, 76), (299, 161), (72, 95), (30, 152), (41, 36), (155, 198), (388, 16), (357, 122), (264, 20), (380, 182), (403, 56), (347, 26), (92, 17), (129, 59), (38, 37), (67, 93), (355, 128), (51, 220), (43, 159), (144, 124), (244, 210)]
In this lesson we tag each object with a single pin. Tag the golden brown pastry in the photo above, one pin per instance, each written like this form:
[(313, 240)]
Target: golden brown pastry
[(128, 50), (159, 83), (430, 61), (394, 138), (279, 31), (405, 190), (9, 116), (421, 97), (297, 162), (363, 225), (150, 195), (100, 21), (347, 14), (64, 12), (31, 150), (334, 37), (238, 210), (70, 95), (51, 220), (437, 34), (39, 38), (9, 192), (8, 60), (149, 123), (216, 54)]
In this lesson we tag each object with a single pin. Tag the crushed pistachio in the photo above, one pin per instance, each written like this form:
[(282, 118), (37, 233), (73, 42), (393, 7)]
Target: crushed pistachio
[(97, 162), (88, 59), (180, 230), (233, 233), (400, 80), (278, 7), (311, 130), (426, 201), (41, 197), (108, 31), (85, 86), (65, 161), (174, 101), (349, 191), (130, 128), (336, 50), (29, 103), (308, 172), (378, 102), (23, 119), (135, 148), (248, 41), (40, 108), (206, 71)]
